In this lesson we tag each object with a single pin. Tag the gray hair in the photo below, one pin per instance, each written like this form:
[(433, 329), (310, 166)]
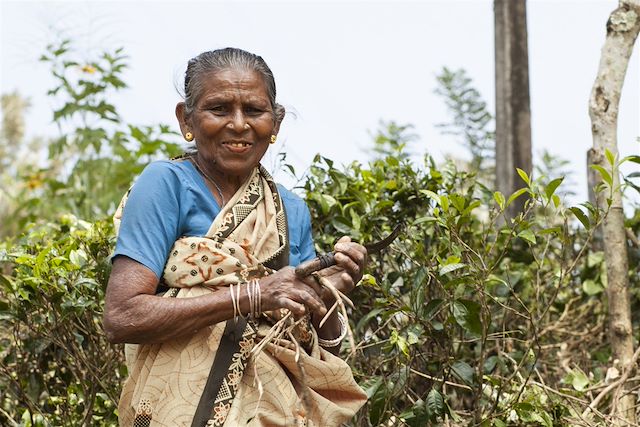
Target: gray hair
[(224, 59)]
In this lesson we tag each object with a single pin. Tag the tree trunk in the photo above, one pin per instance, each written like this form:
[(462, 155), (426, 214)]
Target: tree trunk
[(513, 113), (592, 181), (622, 29)]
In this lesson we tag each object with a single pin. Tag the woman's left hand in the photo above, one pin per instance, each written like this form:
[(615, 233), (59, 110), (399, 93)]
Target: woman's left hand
[(351, 259)]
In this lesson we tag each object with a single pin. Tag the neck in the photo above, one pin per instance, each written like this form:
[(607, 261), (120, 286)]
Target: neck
[(225, 184)]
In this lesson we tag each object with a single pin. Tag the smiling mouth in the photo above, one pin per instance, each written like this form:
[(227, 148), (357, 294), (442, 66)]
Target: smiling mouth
[(238, 144)]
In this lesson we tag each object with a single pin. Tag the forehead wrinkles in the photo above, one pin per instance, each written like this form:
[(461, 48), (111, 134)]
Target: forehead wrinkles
[(233, 83)]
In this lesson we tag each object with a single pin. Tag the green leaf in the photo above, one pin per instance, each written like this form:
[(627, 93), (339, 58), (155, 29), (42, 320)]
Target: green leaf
[(579, 380), (400, 342), (431, 195), (435, 403), (595, 258), (444, 202), (448, 268), (515, 195), (499, 198), (432, 308), (424, 219), (6, 282), (552, 186), (78, 257), (611, 158), (372, 386), (528, 236), (467, 315), (606, 176), (79, 338), (472, 206), (524, 176), (546, 419), (634, 159), (581, 216), (458, 202), (367, 317), (463, 371), (355, 220), (591, 287), (24, 294)]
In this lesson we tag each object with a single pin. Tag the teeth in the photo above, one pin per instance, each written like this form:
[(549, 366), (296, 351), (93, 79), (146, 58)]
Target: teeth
[(238, 144)]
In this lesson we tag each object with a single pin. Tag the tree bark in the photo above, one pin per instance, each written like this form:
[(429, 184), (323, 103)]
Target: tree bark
[(513, 111), (622, 30), (592, 181)]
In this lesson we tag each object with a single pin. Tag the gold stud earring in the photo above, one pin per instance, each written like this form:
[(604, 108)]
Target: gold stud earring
[(273, 139), (188, 136)]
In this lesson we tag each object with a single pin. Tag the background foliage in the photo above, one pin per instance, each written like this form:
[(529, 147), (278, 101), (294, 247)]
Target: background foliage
[(470, 318)]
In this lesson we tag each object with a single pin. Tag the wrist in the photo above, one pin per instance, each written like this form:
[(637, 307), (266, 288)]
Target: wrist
[(246, 299), (337, 334)]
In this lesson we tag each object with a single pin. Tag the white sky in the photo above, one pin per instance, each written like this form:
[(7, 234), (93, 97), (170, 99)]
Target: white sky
[(341, 66)]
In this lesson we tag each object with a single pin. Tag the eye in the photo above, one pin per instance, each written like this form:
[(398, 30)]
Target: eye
[(217, 109), (253, 111)]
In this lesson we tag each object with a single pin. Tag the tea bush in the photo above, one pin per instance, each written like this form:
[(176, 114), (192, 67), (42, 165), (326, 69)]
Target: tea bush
[(469, 318), (56, 366)]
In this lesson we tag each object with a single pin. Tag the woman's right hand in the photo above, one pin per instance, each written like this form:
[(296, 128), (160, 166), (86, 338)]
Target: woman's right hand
[(283, 289)]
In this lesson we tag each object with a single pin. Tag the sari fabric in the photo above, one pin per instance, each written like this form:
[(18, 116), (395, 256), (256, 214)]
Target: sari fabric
[(247, 240)]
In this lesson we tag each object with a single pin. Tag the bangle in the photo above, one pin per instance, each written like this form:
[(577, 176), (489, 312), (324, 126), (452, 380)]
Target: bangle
[(334, 342), (235, 300), (255, 298)]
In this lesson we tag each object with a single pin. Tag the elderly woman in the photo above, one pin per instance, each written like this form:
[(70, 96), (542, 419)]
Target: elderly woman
[(225, 333)]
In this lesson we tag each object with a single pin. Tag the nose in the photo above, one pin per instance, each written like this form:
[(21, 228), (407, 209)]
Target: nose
[(238, 121)]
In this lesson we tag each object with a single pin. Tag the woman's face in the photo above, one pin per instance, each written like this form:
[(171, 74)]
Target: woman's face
[(232, 122)]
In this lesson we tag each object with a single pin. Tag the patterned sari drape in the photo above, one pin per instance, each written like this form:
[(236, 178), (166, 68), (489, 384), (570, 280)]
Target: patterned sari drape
[(248, 239)]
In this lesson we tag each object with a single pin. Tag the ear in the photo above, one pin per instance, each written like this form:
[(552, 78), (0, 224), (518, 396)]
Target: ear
[(276, 128), (278, 118), (182, 118)]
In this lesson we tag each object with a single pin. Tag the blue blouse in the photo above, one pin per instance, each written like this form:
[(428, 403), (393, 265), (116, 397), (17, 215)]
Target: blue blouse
[(170, 200)]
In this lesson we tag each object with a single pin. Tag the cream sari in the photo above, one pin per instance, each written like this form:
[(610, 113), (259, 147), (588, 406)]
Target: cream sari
[(168, 382)]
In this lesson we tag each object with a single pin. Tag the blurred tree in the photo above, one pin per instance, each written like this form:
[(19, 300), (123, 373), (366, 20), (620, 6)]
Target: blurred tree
[(392, 139), (513, 111), (19, 158), (623, 27), (91, 165), (471, 121), (12, 132)]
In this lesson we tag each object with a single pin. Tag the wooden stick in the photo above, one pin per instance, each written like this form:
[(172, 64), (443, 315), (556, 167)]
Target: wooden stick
[(326, 316)]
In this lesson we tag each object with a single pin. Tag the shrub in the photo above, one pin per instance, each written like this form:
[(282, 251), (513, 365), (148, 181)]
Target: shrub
[(56, 366), (463, 317)]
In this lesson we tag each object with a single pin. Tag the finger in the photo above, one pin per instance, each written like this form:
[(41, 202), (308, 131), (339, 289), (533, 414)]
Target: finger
[(347, 263), (294, 307), (354, 250), (313, 284), (348, 282), (311, 300), (309, 285), (344, 239)]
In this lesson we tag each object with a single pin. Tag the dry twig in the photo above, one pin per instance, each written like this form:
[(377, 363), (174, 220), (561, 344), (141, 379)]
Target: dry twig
[(623, 378)]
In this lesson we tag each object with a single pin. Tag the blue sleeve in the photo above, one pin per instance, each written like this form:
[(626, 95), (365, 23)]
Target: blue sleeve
[(307, 249), (151, 218), (299, 220)]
